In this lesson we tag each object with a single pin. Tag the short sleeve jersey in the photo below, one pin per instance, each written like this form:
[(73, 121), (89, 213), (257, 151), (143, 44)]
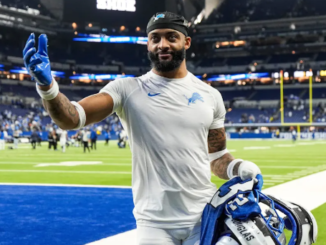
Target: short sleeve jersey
[(167, 122)]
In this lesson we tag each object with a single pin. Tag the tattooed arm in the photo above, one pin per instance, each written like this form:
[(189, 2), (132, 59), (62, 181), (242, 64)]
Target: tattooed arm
[(64, 114), (217, 142)]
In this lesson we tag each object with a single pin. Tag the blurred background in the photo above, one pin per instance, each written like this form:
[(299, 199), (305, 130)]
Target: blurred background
[(245, 49), (266, 57)]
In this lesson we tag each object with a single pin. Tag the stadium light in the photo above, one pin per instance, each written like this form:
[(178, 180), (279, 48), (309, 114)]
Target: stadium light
[(237, 29), (99, 76), (24, 71), (110, 39), (222, 77)]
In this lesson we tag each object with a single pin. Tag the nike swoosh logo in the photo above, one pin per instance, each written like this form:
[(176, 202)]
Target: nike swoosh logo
[(151, 95)]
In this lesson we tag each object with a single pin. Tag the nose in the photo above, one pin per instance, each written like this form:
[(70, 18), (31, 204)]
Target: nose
[(164, 44)]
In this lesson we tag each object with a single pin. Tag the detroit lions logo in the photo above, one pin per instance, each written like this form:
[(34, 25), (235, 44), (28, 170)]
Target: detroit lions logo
[(194, 97), (159, 16)]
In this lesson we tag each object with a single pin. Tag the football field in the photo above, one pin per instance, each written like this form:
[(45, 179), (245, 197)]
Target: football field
[(280, 162)]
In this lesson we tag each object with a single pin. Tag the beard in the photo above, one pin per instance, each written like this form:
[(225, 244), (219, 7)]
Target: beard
[(167, 65)]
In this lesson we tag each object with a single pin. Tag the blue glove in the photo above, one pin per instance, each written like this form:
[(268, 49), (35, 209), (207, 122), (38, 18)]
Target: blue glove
[(38, 63)]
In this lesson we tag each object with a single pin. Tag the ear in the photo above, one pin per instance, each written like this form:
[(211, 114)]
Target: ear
[(187, 43)]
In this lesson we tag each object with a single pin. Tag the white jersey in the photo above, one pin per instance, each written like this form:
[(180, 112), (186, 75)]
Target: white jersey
[(123, 135), (86, 135), (167, 121), (63, 137), (17, 133)]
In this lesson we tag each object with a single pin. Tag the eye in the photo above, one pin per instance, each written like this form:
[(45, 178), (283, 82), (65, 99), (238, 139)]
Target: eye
[(155, 39), (173, 37)]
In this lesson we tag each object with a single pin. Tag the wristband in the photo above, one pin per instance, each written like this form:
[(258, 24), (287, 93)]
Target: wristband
[(217, 155), (49, 94), (81, 113)]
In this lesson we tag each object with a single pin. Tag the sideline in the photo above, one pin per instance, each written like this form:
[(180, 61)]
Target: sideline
[(308, 191)]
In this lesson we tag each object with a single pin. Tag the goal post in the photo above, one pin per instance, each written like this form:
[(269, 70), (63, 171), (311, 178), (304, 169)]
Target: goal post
[(298, 124)]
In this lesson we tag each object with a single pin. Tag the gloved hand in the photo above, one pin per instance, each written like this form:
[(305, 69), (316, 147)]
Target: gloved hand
[(38, 63), (248, 170)]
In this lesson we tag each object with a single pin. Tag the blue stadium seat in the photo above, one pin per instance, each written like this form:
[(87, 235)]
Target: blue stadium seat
[(229, 95)]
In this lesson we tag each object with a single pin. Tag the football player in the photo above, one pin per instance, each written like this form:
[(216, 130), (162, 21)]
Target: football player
[(173, 120)]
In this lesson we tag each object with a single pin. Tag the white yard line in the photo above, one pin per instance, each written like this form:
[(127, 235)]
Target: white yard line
[(284, 178), (281, 167), (62, 171), (284, 145), (296, 157), (96, 157), (279, 161), (273, 181), (33, 163), (257, 148), (274, 176), (306, 143)]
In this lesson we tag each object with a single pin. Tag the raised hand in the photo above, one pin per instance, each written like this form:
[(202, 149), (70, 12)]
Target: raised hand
[(37, 62)]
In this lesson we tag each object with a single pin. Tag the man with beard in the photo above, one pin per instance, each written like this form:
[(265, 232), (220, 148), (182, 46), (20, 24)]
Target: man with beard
[(175, 124)]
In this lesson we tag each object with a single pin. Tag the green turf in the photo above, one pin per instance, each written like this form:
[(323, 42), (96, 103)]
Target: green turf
[(320, 214), (281, 158)]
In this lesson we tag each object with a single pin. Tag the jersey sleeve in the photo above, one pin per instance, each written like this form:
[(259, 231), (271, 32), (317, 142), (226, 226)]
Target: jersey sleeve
[(219, 111), (116, 89)]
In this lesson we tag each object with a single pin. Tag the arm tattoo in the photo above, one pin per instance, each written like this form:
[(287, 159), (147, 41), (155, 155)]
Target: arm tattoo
[(219, 166), (217, 142), (62, 111)]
